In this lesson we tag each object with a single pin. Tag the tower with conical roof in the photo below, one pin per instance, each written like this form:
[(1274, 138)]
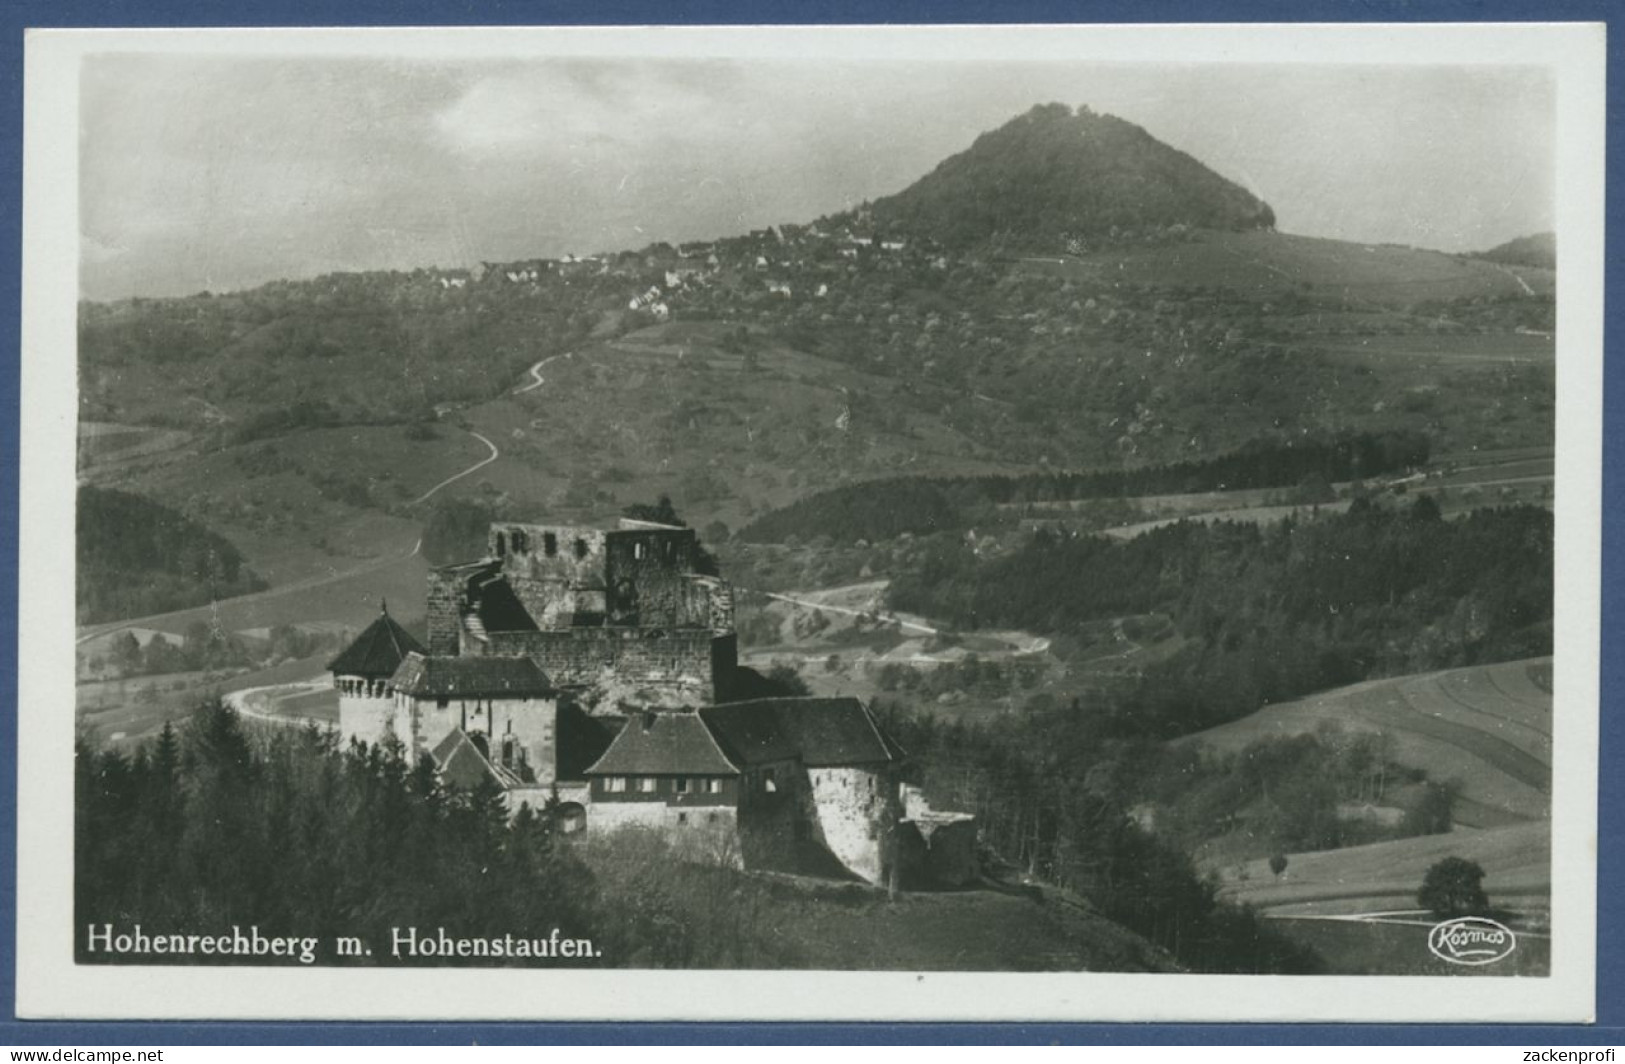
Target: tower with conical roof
[(361, 675)]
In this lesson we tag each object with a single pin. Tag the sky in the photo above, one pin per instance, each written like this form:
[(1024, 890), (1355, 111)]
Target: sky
[(202, 172)]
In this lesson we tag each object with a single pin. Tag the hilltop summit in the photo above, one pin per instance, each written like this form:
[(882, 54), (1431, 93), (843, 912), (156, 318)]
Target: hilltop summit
[(1537, 249), (1054, 172)]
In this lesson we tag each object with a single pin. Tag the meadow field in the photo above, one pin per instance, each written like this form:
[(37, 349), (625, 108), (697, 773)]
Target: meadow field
[(1487, 729), (1261, 264)]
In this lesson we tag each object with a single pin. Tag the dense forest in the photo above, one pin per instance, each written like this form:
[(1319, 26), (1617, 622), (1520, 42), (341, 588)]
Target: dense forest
[(137, 557), (882, 509), (215, 823), (1268, 613), (1052, 792)]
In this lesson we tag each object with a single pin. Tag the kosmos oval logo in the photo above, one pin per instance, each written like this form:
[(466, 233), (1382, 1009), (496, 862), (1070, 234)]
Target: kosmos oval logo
[(1471, 940)]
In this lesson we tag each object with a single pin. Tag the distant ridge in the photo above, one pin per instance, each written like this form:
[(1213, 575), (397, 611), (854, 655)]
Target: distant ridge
[(1053, 172), (1538, 249)]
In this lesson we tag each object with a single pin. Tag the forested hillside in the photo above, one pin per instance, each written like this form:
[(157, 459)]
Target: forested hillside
[(213, 819), (1539, 249), (881, 509), (359, 348), (136, 557), (1268, 612), (1053, 172)]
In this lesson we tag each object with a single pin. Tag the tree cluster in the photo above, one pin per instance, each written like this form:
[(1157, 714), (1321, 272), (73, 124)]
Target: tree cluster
[(1266, 613), (216, 824), (136, 557), (883, 509), (1051, 793)]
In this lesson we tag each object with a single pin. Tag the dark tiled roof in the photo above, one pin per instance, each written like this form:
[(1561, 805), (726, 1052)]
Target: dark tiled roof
[(664, 744), (441, 677), (462, 764), (499, 608), (820, 731), (377, 651)]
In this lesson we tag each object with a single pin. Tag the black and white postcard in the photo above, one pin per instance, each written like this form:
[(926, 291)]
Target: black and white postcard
[(1068, 523)]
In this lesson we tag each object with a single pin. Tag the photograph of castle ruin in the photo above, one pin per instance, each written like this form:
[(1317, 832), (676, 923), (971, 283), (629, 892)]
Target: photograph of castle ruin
[(641, 512)]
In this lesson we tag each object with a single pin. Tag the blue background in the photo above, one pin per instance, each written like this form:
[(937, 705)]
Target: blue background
[(17, 15)]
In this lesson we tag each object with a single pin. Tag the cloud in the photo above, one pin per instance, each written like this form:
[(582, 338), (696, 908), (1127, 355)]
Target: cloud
[(571, 105)]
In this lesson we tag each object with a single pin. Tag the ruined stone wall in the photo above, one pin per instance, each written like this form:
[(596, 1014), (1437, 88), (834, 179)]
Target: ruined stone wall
[(445, 612), (648, 573), (557, 571), (713, 600), (676, 660)]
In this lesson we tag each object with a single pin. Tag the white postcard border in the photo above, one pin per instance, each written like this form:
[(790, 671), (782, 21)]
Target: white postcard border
[(50, 985)]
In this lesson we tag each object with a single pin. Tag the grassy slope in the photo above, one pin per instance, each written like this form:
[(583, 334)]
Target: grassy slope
[(1515, 858), (974, 930), (1486, 727), (1259, 264), (665, 410)]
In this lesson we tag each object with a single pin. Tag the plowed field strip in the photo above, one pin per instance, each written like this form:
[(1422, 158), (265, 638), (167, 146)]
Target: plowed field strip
[(1533, 741), (1494, 752), (1514, 682), (1470, 814), (1483, 691)]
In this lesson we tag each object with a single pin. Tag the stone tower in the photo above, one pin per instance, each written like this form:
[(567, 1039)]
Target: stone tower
[(361, 675)]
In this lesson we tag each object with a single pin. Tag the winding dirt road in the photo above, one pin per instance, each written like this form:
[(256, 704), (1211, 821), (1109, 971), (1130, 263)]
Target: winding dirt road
[(536, 378), (476, 467), (887, 618), (252, 702)]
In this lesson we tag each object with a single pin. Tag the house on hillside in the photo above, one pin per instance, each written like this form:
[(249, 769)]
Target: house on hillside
[(666, 771)]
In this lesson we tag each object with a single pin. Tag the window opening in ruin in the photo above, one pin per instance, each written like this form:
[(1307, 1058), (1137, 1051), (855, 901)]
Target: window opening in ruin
[(502, 544), (520, 542), (550, 544), (580, 549)]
